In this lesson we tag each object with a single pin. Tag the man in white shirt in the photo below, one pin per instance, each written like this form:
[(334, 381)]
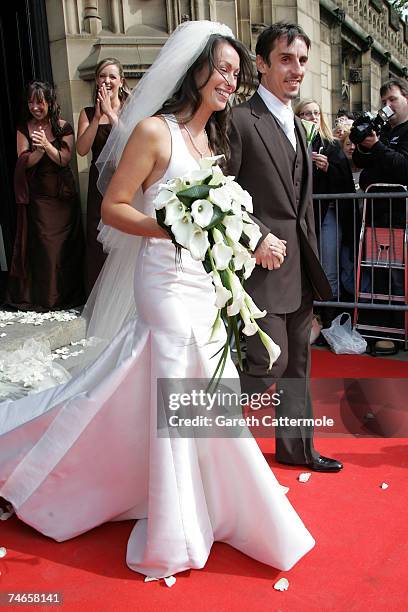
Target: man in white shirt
[(269, 158)]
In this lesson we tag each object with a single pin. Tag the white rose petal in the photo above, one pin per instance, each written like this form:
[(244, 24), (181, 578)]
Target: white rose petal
[(3, 552), (202, 212), (281, 585), (384, 485), (304, 476), (6, 515), (284, 489), (150, 579), (170, 581), (175, 210)]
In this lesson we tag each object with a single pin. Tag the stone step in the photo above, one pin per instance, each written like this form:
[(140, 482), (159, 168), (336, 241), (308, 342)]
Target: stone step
[(57, 333)]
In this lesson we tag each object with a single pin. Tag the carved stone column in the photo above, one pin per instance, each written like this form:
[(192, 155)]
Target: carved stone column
[(71, 16), (366, 79), (336, 67), (116, 16), (92, 21), (244, 21)]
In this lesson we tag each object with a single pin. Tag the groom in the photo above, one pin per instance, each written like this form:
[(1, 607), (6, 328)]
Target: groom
[(269, 159)]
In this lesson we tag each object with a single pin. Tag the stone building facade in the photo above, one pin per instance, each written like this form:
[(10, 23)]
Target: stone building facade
[(356, 44)]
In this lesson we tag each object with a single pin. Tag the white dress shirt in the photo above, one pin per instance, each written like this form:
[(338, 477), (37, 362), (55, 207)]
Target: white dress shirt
[(283, 113)]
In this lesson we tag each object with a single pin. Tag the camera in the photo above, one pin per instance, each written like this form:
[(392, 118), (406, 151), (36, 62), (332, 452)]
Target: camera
[(367, 123)]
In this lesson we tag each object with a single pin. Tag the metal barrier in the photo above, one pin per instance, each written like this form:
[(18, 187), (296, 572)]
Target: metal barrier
[(362, 241)]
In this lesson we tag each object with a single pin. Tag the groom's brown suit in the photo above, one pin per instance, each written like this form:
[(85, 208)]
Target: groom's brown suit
[(280, 183)]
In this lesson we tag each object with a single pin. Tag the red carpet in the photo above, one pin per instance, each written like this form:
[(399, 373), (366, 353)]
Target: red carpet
[(359, 562)]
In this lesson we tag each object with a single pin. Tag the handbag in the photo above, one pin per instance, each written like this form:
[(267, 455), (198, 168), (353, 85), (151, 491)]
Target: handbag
[(384, 245)]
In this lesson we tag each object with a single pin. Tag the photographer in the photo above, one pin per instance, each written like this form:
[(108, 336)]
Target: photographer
[(384, 159)]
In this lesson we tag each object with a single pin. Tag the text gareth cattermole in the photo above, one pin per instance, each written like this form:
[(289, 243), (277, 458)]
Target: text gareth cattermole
[(206, 400)]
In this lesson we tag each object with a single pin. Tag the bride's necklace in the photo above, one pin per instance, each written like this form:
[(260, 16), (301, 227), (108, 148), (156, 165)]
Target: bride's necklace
[(201, 153)]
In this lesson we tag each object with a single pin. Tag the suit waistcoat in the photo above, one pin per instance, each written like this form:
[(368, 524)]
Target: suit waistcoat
[(295, 159)]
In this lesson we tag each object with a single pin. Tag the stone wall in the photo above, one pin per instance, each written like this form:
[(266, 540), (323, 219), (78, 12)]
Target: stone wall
[(346, 35)]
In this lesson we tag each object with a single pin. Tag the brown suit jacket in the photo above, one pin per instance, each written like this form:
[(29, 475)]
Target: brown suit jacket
[(261, 166)]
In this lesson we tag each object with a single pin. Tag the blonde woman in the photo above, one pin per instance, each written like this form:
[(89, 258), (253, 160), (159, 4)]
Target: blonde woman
[(94, 126), (331, 174)]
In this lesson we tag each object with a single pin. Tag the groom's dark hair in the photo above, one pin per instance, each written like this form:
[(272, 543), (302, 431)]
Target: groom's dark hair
[(268, 37)]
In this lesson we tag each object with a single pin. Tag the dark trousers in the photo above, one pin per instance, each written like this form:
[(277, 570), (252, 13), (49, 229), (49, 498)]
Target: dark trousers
[(291, 331)]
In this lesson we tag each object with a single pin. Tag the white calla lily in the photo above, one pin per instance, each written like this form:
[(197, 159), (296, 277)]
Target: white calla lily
[(217, 328), (252, 231), (182, 230), (241, 196), (241, 255), (208, 162), (175, 210), (198, 243), (202, 212), (221, 198), (163, 198), (271, 346), (222, 255), (220, 251), (218, 177), (222, 293), (253, 308), (197, 177), (249, 266), (234, 227), (237, 294), (250, 327), (174, 185)]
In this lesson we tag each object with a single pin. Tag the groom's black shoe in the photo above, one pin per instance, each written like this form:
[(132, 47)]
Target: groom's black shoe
[(324, 464)]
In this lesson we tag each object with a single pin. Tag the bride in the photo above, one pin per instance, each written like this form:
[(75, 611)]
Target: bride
[(86, 452)]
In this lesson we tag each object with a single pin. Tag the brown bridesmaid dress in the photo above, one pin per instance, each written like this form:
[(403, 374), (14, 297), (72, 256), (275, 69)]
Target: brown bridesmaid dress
[(95, 257), (46, 272)]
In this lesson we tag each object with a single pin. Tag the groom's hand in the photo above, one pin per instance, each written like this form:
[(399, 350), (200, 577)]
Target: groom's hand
[(271, 252)]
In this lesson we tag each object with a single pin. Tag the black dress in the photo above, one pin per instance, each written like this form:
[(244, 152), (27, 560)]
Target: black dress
[(95, 257), (47, 262)]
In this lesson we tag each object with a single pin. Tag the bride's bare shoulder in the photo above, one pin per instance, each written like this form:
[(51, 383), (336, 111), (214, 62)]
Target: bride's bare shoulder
[(152, 128)]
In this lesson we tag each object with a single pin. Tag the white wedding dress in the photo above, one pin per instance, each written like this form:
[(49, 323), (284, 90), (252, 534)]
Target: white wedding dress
[(86, 452)]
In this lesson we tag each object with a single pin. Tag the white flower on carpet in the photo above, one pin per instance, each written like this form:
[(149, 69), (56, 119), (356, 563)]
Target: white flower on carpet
[(281, 585), (304, 476)]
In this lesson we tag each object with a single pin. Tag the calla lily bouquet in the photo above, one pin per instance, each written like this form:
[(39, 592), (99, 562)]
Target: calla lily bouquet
[(206, 212), (311, 130)]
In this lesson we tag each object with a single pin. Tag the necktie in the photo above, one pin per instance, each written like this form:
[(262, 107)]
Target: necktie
[(288, 127)]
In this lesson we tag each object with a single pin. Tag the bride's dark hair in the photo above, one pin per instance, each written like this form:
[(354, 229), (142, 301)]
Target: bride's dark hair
[(187, 99)]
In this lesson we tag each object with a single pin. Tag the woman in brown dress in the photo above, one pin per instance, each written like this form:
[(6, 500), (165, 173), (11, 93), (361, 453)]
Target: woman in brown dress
[(46, 267), (94, 126)]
